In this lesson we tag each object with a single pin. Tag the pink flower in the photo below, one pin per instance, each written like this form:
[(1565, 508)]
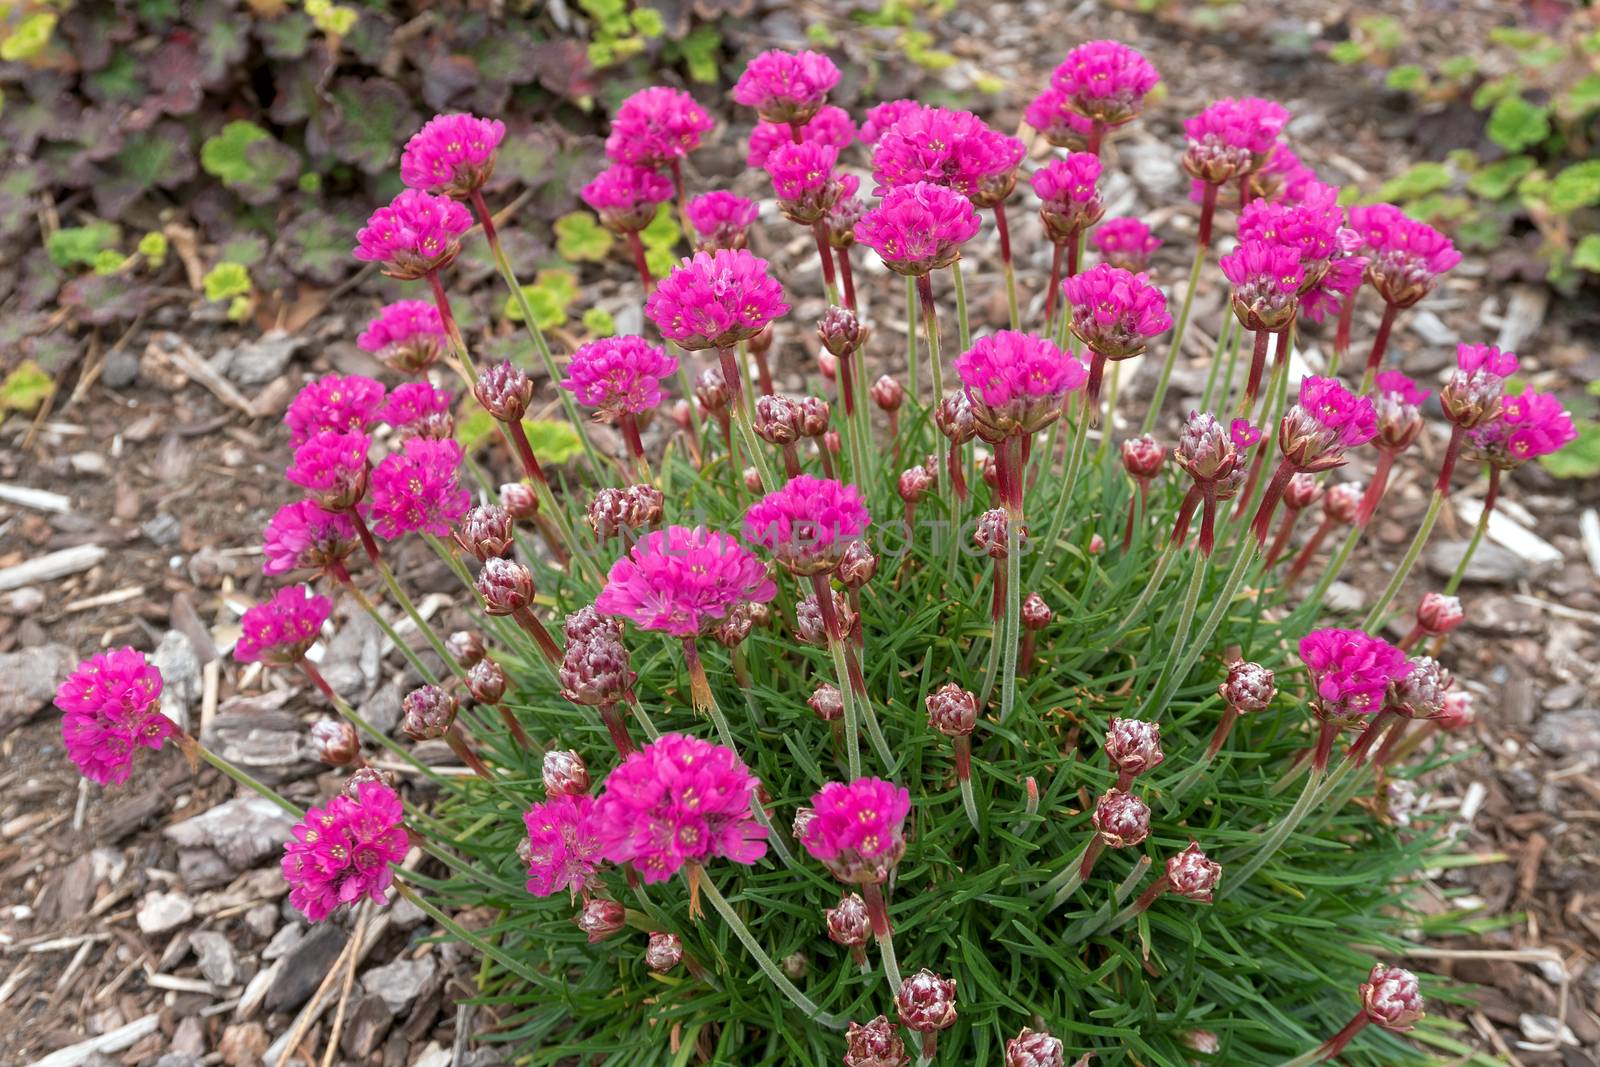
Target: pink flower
[(344, 852), (418, 489), (1398, 406), (619, 375), (1530, 425), (1231, 138), (1342, 278), (882, 117), (1266, 277), (829, 128), (678, 800), (846, 212), (1313, 434), (657, 126), (721, 218), (1487, 359), (802, 180), (279, 631), (950, 148), (303, 535), (626, 197), (918, 228), (418, 409), (807, 524), (1351, 670), (333, 467), (1472, 395), (1016, 382), (1069, 194), (407, 336), (683, 581), (109, 704), (343, 404), (417, 234), (451, 154), (1405, 257), (716, 300), (1126, 243), (1115, 312), (1390, 998), (1052, 115), (563, 846), (786, 87), (858, 831), (1313, 227), (1282, 176), (1105, 81)]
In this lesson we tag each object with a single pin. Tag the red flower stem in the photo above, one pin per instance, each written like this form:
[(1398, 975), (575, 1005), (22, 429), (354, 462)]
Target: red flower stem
[(1258, 364), (930, 323), (1124, 780), (530, 462), (1402, 741), (847, 276), (535, 629), (452, 332), (611, 715), (1208, 214), (1412, 636), (1003, 228), (629, 424), (1324, 748), (1055, 284), (963, 754), (997, 601), (1072, 254), (1357, 753), (1147, 898), (1257, 461), (1285, 529), (517, 731), (552, 539), (1452, 452), (911, 518), (1029, 642), (1091, 856), (827, 460), (763, 371), (794, 132), (1180, 527), (1269, 502), (1303, 560), (1137, 505), (819, 230), (1219, 737), (1341, 336), (791, 460), (847, 384), (317, 679), (1333, 1046), (636, 246), (878, 916), (464, 752), (1244, 190), (367, 542), (1375, 488), (954, 465), (1091, 391), (1097, 133), (1208, 518), (1380, 344)]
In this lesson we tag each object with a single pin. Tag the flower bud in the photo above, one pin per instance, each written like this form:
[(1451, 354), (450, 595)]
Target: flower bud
[(809, 623), (777, 420), (1419, 693), (1302, 491), (1142, 457), (1097, 544), (711, 389), (1458, 713), (795, 964), (486, 681), (663, 952), (752, 479), (954, 418), (595, 671), (1133, 746), (952, 710), (1341, 502), (1035, 1048), (505, 585), (887, 393), (914, 484), (926, 1002), (840, 331), (1036, 614), (587, 623), (857, 566), (991, 532), (832, 442), (1439, 614), (565, 774), (803, 818), (605, 514), (1121, 819), (466, 646), (848, 923), (367, 776), (875, 1044), (520, 500), (989, 469), (1191, 875), (814, 414), (1391, 999), (485, 531), (335, 742), (1202, 1041), (736, 626), (428, 713), (1398, 802), (504, 391), (827, 702), (1249, 687), (600, 919)]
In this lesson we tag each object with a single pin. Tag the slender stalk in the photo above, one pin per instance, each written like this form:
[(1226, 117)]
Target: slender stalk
[(847, 276), (1370, 623), (1154, 412), (343, 707), (1380, 343), (1069, 481), (1079, 872), (1263, 850), (1227, 339), (193, 748), (819, 230), (911, 339), (930, 325), (421, 624), (963, 746), (1065, 874), (1246, 555), (1331, 1047), (1489, 499), (1053, 285), (1157, 575), (1341, 336), (1004, 229), (878, 913), (963, 333), (1180, 636), (741, 413), (636, 248)]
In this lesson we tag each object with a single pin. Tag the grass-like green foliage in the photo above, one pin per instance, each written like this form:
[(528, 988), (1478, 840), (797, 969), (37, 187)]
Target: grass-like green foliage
[(1271, 968)]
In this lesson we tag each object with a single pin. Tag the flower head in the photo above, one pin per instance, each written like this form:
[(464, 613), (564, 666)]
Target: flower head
[(1035, 1048), (1069, 195), (110, 710), (952, 710), (1210, 453), (279, 631), (619, 375), (504, 390), (1231, 138), (657, 126), (1390, 998), (1530, 425), (595, 668), (1419, 692), (918, 228), (874, 1044), (415, 235), (1134, 746), (1314, 433), (1121, 819), (1398, 406), (344, 852), (830, 127), (485, 530), (881, 118), (1126, 243), (1266, 277), (333, 466), (626, 197), (716, 300), (564, 773), (407, 336), (808, 523), (1191, 875), (1404, 257), (1035, 613), (451, 154), (1051, 114), (1016, 382), (858, 829), (417, 488), (341, 403), (803, 180), (1351, 670), (599, 918), (563, 848), (955, 149), (683, 581), (678, 800), (417, 409), (1342, 502), (1312, 226), (631, 508), (663, 951), (335, 742), (1472, 395), (848, 923), (786, 87), (1439, 614), (1105, 81), (1115, 312), (305, 535), (926, 1002), (1458, 713), (721, 219), (1249, 687)]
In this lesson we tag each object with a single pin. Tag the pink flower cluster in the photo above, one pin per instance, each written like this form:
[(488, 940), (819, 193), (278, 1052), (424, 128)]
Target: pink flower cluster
[(1069, 195), (881, 118), (407, 336), (1126, 243), (415, 235), (563, 845), (1016, 382), (333, 467), (341, 403), (802, 180), (1328, 419), (1406, 257), (626, 197), (721, 218), (786, 87), (1530, 425), (656, 127), (716, 300), (1105, 81), (1472, 394), (1266, 277), (1115, 312), (1313, 227), (1398, 406), (344, 852), (683, 582), (304, 535), (1051, 113), (858, 829), (451, 154), (279, 631), (955, 149), (1351, 670), (109, 705), (417, 409), (1231, 138), (417, 488), (808, 523), (919, 228), (830, 127), (678, 800), (619, 375)]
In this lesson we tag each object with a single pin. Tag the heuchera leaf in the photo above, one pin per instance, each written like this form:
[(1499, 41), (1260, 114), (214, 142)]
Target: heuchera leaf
[(273, 165), (579, 236), (1578, 186), (286, 37), (25, 388), (105, 299), (1586, 256), (77, 246), (1580, 458), (223, 154), (369, 120), (1516, 124)]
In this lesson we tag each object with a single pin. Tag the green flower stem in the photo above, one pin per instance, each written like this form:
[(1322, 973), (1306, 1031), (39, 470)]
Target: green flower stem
[(451, 559), (1004, 229), (963, 745), (456, 930), (195, 748), (686, 388), (1263, 850), (1012, 473), (1157, 575), (1180, 637), (343, 708), (1489, 498), (930, 326), (643, 718), (1067, 874), (911, 339), (1331, 1047), (1375, 616), (1247, 554), (997, 634), (1226, 341), (770, 969), (878, 914), (963, 331), (1154, 412), (742, 415), (1058, 518), (421, 624), (1334, 568), (388, 631)]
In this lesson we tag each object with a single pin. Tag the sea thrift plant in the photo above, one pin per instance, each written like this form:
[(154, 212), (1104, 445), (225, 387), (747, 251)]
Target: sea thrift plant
[(1105, 82), (452, 154), (110, 711), (407, 336), (417, 235), (1115, 313), (345, 852), (786, 87)]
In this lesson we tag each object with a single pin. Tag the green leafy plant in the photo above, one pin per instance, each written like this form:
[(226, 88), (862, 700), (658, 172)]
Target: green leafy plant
[(80, 246), (580, 238)]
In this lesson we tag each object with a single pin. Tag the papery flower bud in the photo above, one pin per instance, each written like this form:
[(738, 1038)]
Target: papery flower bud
[(564, 773), (1036, 614), (1473, 394), (848, 923), (711, 389), (1341, 502), (1133, 746), (519, 500), (465, 646), (1419, 693), (952, 710), (1458, 712), (991, 532), (875, 1044), (914, 484), (752, 479), (1191, 875), (814, 414), (486, 681), (1097, 544), (777, 420), (1142, 456), (363, 776), (840, 331), (954, 418), (428, 713), (926, 1002), (1390, 998), (485, 531), (1249, 687), (1302, 491), (504, 391), (595, 671), (732, 631), (809, 623), (663, 952), (1121, 819), (1207, 451), (1202, 1041), (857, 566), (1439, 614), (505, 585), (887, 393), (599, 919), (827, 702), (335, 742), (1035, 1048), (803, 818)]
